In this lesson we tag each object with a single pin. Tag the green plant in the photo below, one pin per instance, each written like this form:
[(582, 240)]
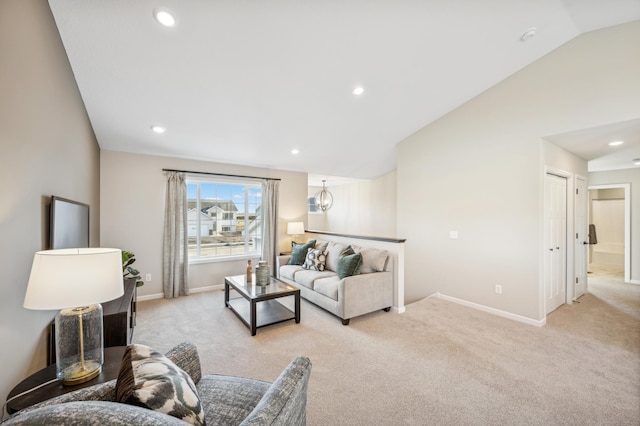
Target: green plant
[(128, 258)]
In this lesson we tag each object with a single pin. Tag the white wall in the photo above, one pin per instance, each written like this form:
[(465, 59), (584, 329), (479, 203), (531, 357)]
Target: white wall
[(366, 207), (479, 171), (47, 147), (631, 176), (132, 191)]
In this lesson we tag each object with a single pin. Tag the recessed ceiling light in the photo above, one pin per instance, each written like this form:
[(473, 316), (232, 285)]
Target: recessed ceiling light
[(295, 151), (158, 129), (616, 143), (358, 90), (164, 17), (528, 34)]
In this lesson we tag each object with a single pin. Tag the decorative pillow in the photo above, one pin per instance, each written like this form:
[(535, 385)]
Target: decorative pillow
[(315, 260), (321, 245), (299, 252), (373, 260), (333, 255), (346, 252), (349, 265), (149, 379)]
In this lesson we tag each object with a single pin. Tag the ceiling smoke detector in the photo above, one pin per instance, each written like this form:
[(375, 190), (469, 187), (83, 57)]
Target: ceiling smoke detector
[(528, 34)]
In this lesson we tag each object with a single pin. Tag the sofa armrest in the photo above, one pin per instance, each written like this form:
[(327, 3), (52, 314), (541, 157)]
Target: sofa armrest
[(92, 413), (285, 402), (185, 355), (283, 259), (364, 293), (102, 392)]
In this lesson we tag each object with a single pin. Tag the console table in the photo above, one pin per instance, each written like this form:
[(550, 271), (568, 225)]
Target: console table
[(119, 319)]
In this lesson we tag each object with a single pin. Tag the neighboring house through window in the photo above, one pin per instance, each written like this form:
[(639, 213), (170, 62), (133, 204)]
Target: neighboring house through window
[(223, 218)]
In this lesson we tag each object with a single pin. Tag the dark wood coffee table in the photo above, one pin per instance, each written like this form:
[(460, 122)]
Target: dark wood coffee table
[(257, 307)]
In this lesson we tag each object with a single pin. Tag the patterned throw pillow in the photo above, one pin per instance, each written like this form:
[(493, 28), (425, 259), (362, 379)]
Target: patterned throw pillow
[(149, 379), (315, 260)]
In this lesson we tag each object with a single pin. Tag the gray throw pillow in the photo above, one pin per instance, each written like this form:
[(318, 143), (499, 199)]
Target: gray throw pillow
[(149, 379), (299, 252)]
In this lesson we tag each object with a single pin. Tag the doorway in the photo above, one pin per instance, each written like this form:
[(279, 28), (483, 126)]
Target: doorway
[(609, 217)]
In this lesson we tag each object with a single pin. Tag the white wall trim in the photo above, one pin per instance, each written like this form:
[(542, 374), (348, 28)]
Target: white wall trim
[(193, 290), (494, 311)]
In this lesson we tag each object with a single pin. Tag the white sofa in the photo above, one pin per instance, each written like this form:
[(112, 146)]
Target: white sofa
[(369, 290)]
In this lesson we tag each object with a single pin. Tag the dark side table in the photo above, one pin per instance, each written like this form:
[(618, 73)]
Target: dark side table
[(110, 369)]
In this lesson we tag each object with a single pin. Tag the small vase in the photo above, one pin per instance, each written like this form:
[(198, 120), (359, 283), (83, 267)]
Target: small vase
[(262, 273)]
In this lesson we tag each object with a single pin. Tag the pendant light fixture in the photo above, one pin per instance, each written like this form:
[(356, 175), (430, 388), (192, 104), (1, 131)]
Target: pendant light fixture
[(324, 199)]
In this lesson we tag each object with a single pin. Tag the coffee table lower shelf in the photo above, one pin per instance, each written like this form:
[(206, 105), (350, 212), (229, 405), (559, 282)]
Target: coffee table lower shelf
[(268, 312)]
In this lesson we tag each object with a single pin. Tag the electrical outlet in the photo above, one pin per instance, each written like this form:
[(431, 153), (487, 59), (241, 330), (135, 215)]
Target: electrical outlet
[(148, 277), (498, 289)]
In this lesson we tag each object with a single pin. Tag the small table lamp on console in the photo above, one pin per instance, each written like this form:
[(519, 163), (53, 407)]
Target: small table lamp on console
[(76, 281), (295, 228)]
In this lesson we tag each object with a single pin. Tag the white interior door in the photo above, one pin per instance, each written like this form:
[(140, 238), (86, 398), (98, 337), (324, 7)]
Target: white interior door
[(582, 236), (555, 280)]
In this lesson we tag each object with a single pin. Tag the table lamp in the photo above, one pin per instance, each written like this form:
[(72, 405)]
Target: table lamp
[(295, 228), (76, 281)]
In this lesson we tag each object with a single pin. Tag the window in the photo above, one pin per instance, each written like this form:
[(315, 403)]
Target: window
[(223, 218), (312, 205)]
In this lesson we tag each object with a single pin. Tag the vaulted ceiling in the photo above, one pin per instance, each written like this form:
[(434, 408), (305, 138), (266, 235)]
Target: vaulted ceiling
[(247, 81)]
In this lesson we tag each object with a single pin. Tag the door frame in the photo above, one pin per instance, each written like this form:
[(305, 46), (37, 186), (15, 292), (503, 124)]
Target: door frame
[(627, 223), (578, 177), (569, 241)]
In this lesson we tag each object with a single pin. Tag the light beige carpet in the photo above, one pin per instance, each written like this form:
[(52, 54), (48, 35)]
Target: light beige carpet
[(436, 364)]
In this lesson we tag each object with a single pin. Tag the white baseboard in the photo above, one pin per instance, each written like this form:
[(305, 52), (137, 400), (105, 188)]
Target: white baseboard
[(634, 281), (494, 311), (398, 310), (193, 290)]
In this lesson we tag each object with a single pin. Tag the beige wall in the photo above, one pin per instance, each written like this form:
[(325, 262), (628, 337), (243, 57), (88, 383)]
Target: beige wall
[(631, 176), (47, 147), (479, 171), (366, 207), (132, 193)]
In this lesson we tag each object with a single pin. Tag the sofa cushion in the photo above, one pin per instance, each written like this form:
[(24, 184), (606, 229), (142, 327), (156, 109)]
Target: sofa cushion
[(315, 260), (327, 286), (299, 252), (333, 255), (306, 277), (149, 379), (349, 265), (321, 245), (373, 259), (289, 271)]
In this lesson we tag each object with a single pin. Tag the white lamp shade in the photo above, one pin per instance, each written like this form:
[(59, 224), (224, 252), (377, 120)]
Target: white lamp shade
[(69, 278), (295, 228)]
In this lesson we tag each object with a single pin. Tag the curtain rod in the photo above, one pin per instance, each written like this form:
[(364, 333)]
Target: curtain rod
[(218, 174)]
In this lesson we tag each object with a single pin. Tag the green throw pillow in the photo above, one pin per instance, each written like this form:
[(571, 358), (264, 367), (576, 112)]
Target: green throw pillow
[(299, 252), (349, 265), (346, 252)]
